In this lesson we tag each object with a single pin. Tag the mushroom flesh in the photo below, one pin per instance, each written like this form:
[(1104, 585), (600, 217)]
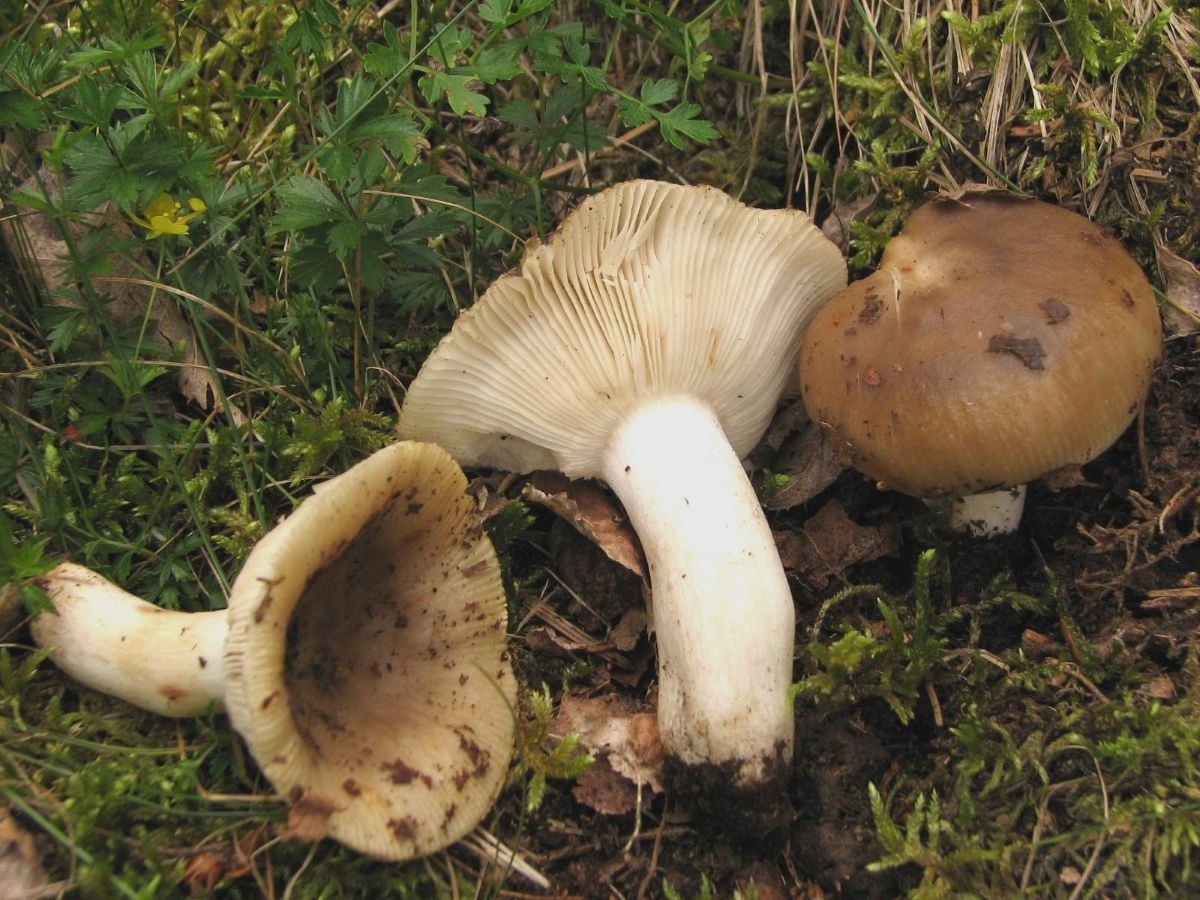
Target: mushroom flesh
[(362, 658), (648, 342)]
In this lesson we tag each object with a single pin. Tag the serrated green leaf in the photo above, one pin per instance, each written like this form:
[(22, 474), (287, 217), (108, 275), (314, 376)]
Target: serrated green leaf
[(305, 203), (389, 59), (448, 43), (457, 90), (659, 90), (633, 113), (519, 113), (337, 162), (18, 108), (682, 123), (495, 12), (384, 127), (345, 236)]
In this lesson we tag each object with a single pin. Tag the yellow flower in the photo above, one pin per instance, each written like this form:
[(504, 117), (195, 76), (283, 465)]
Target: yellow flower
[(162, 215)]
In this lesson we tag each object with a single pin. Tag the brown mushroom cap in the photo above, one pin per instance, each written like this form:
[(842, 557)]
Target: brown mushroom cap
[(1000, 339)]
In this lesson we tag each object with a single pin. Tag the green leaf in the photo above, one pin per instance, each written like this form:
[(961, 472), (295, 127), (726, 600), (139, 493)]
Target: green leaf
[(337, 161), (306, 203), (496, 64), (682, 123), (633, 112), (659, 91), (390, 59), (457, 91), (305, 34), (345, 236), (18, 108), (95, 106), (495, 12), (448, 43), (519, 113)]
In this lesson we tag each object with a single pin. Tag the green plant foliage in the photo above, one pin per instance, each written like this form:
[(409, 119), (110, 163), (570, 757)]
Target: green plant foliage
[(308, 194), (541, 756), (893, 666)]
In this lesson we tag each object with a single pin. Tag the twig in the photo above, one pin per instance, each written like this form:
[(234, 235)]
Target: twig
[(622, 140), (647, 881)]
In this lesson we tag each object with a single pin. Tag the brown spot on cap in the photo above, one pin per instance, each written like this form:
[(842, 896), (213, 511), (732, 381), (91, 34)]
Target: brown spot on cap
[(402, 773), (404, 829), (1028, 350), (1056, 311), (872, 309)]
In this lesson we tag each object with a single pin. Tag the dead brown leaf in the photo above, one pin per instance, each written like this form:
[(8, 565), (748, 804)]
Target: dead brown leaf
[(811, 464), (628, 631), (830, 542), (610, 727), (1161, 688), (308, 817), (601, 788), (21, 874), (1182, 280), (204, 871), (1065, 477), (592, 513), (836, 225), (221, 862)]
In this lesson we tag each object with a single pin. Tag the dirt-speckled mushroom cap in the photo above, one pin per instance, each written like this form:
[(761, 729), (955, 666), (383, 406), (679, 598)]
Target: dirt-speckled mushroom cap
[(367, 668), (647, 288), (1000, 339)]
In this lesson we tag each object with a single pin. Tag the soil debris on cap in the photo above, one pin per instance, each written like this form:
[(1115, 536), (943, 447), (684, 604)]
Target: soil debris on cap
[(1027, 350)]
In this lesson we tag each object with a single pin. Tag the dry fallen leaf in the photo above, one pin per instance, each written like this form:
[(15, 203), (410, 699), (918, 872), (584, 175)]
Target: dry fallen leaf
[(830, 542), (1182, 280), (836, 225), (1161, 688), (1063, 478), (308, 817), (592, 513), (21, 872), (204, 871), (811, 464), (601, 788), (628, 630), (611, 728)]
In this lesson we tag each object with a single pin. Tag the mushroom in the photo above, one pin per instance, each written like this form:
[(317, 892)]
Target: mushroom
[(362, 657), (1000, 339), (647, 343)]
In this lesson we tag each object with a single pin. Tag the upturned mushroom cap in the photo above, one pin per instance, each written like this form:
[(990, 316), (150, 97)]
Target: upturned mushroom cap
[(366, 657), (1000, 339), (647, 288)]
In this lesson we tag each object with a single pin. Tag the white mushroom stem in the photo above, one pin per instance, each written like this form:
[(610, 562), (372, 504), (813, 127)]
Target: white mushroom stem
[(170, 663), (722, 608), (989, 514)]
